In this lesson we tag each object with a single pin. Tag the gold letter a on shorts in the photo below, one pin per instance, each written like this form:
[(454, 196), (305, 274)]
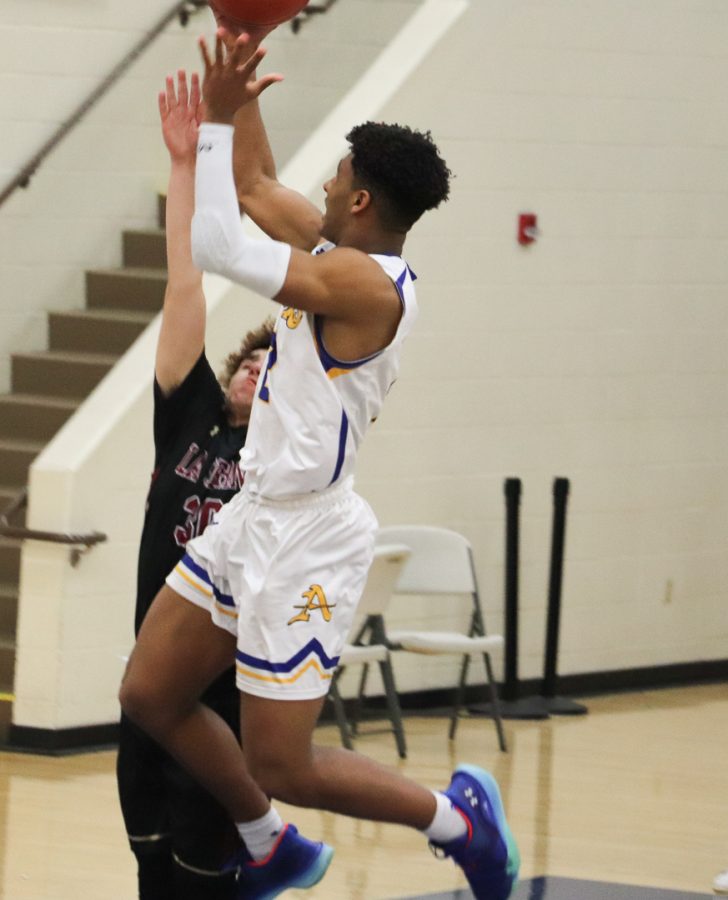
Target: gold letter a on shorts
[(315, 599)]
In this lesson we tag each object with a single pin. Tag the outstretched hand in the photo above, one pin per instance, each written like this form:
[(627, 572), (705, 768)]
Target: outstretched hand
[(230, 81), (181, 112)]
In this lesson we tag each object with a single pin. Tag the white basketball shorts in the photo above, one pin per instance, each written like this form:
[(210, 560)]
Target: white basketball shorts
[(284, 576)]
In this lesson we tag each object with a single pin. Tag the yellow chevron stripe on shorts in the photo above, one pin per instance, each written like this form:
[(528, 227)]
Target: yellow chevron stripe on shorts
[(196, 583)]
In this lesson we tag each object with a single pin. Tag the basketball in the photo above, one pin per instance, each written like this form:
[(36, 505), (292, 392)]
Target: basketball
[(260, 12)]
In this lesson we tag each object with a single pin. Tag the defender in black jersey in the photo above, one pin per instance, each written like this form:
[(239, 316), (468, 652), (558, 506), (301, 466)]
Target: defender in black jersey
[(179, 834)]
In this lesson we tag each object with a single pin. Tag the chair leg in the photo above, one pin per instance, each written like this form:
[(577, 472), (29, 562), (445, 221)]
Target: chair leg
[(495, 704), (459, 693), (341, 720), (357, 710), (395, 712)]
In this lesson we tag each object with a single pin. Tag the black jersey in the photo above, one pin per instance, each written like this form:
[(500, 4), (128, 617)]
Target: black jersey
[(196, 471)]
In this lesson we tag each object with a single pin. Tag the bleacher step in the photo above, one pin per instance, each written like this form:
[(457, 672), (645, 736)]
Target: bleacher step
[(109, 331), (8, 609), (15, 459), (33, 417), (59, 373), (132, 288), (145, 248)]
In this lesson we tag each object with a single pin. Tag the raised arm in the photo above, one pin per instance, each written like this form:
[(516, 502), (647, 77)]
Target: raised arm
[(280, 212), (182, 333), (344, 284)]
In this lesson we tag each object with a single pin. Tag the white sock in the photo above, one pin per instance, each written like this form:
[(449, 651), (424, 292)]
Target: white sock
[(448, 824), (260, 835)]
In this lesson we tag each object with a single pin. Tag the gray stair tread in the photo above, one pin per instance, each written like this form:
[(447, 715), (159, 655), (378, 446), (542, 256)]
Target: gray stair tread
[(8, 589), (133, 272), (8, 493), (39, 400), (15, 521), (154, 232), (110, 315), (71, 356), (9, 443)]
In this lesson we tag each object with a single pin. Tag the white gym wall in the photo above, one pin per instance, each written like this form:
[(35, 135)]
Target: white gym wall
[(597, 353)]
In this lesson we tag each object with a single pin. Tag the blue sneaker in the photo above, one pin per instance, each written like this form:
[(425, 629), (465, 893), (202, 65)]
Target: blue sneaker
[(487, 853), (294, 862)]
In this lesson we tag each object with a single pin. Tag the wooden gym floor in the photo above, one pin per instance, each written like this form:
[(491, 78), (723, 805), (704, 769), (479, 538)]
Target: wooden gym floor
[(608, 806)]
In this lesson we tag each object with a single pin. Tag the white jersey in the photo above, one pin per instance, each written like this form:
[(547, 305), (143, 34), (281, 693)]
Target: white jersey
[(312, 410)]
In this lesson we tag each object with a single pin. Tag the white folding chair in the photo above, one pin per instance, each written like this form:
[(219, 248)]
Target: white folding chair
[(369, 644), (441, 563)]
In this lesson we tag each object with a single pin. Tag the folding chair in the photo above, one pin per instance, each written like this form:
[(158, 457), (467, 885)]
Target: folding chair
[(369, 644), (442, 563)]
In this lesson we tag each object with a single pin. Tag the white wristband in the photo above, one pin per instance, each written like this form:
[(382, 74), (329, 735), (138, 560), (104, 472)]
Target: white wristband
[(219, 243)]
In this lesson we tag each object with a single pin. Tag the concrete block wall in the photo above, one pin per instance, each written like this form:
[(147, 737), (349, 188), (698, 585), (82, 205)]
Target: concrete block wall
[(597, 353)]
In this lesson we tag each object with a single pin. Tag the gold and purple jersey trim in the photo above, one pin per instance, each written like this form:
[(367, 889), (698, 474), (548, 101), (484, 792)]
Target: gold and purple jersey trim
[(332, 366), (311, 657), (196, 576)]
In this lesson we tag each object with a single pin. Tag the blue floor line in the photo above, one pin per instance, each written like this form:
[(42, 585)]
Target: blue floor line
[(549, 888)]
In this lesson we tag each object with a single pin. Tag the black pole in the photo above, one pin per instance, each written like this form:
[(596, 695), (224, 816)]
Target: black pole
[(512, 490), (558, 530), (511, 705), (554, 704)]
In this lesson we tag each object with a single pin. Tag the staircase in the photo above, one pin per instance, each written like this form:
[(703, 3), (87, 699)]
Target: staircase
[(47, 387)]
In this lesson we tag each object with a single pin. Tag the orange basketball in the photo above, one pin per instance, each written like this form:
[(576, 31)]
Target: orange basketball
[(260, 12)]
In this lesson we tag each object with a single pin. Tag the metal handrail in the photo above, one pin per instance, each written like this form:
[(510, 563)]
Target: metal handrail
[(55, 537), (182, 9)]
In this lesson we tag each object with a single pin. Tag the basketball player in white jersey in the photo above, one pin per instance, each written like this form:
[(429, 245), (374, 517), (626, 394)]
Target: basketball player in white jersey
[(276, 579)]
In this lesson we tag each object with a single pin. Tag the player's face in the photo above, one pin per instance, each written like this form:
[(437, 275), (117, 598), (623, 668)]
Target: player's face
[(241, 390), (338, 190)]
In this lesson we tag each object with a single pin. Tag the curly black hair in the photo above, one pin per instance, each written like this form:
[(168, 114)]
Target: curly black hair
[(401, 168)]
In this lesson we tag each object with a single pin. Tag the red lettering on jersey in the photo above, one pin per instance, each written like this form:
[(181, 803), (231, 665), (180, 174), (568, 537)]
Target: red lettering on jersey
[(191, 464), (224, 475), (199, 516)]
